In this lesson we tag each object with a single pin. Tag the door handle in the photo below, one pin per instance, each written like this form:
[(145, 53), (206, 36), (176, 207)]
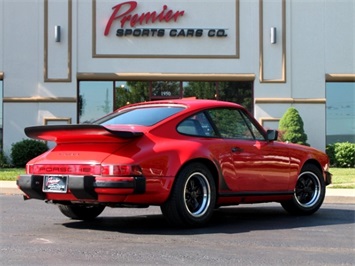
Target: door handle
[(237, 149)]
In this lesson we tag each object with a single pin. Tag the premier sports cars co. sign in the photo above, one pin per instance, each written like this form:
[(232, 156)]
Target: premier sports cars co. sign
[(124, 13), (180, 28)]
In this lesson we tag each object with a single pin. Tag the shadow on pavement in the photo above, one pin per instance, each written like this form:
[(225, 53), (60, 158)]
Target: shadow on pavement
[(231, 220)]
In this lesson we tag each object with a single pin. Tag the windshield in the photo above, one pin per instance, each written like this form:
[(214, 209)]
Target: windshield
[(146, 116)]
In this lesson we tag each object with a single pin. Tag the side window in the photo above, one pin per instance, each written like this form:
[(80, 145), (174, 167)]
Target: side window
[(196, 125), (255, 131), (233, 124)]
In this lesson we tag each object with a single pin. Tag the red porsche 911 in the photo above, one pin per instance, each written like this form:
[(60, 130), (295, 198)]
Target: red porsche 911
[(186, 156)]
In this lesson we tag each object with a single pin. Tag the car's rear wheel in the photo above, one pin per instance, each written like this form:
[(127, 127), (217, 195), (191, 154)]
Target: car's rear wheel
[(309, 192), (192, 198), (81, 212)]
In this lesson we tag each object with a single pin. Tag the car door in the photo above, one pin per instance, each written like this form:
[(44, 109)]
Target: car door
[(257, 165)]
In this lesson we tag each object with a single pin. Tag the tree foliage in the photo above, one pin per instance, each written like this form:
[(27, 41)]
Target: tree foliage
[(134, 92), (200, 90), (291, 127)]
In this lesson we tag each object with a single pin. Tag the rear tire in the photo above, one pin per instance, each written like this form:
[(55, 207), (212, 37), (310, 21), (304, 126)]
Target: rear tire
[(192, 198), (81, 212), (309, 192)]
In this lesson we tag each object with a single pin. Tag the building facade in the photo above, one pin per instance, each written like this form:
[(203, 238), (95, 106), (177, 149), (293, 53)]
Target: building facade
[(71, 61)]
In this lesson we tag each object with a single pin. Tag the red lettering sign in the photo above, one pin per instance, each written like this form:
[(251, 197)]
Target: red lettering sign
[(123, 13)]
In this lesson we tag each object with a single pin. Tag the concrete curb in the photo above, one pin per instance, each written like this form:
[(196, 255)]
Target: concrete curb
[(333, 195)]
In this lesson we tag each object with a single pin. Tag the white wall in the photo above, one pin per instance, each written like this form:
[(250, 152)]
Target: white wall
[(22, 61)]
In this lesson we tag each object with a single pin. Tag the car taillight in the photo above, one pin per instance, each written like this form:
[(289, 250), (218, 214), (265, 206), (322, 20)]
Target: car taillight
[(29, 168), (121, 170)]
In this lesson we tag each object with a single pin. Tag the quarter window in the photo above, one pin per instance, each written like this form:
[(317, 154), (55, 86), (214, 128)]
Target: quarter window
[(197, 125)]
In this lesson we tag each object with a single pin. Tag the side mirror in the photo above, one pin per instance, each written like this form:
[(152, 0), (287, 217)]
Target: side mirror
[(272, 134)]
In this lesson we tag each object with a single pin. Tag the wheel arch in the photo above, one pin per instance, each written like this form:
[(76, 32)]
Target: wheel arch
[(327, 176), (208, 163), (313, 162)]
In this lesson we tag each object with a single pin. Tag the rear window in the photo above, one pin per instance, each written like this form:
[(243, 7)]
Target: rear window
[(140, 116)]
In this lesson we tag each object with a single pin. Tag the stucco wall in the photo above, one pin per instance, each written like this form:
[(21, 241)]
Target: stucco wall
[(313, 38)]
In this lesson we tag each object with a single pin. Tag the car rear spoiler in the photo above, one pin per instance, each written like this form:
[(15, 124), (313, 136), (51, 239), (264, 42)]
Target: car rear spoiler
[(79, 133)]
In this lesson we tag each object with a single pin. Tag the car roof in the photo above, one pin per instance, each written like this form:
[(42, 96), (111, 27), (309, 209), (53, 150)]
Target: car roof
[(189, 103)]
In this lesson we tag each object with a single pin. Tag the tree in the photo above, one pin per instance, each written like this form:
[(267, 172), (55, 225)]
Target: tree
[(232, 91), (106, 108), (133, 92), (200, 90), (291, 127)]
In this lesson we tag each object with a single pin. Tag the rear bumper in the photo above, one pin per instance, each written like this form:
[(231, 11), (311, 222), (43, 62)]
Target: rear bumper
[(83, 187), (328, 178)]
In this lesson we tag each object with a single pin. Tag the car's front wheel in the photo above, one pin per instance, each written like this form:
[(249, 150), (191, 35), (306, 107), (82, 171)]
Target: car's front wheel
[(309, 192), (81, 212), (192, 198)]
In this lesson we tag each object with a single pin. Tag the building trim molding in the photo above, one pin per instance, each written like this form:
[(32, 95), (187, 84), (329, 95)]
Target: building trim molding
[(290, 100), (340, 77), (163, 77), (69, 59), (261, 44), (65, 120), (98, 55), (39, 100), (265, 119)]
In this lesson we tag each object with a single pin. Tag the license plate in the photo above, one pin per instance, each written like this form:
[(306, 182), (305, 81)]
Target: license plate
[(55, 183)]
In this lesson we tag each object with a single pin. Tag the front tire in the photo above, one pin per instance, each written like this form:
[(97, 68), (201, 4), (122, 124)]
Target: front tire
[(309, 192), (192, 198), (81, 212)]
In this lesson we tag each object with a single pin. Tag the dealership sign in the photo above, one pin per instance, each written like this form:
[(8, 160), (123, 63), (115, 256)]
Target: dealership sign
[(124, 14), (151, 29)]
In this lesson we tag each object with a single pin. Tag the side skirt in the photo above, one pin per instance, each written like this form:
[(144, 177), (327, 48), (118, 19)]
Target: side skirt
[(255, 193)]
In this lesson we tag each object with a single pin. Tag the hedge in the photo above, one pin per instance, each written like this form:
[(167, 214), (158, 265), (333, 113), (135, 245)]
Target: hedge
[(341, 154)]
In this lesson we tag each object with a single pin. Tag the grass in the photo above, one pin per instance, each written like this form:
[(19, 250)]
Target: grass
[(342, 177), (10, 174)]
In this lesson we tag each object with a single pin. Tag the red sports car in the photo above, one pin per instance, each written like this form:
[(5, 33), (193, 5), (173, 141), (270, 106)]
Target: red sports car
[(186, 156)]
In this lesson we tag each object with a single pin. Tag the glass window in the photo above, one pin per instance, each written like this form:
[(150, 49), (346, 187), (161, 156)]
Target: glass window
[(165, 89), (340, 112), (233, 124), (237, 92), (95, 100), (139, 116), (254, 130), (232, 91), (130, 92), (197, 125), (200, 90)]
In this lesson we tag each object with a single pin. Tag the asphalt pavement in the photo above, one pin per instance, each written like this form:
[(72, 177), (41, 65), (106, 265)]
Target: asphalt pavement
[(333, 195)]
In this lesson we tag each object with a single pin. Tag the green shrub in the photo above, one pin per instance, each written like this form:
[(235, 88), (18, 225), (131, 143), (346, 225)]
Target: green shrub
[(25, 150), (344, 154), (330, 150), (291, 127), (3, 161)]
